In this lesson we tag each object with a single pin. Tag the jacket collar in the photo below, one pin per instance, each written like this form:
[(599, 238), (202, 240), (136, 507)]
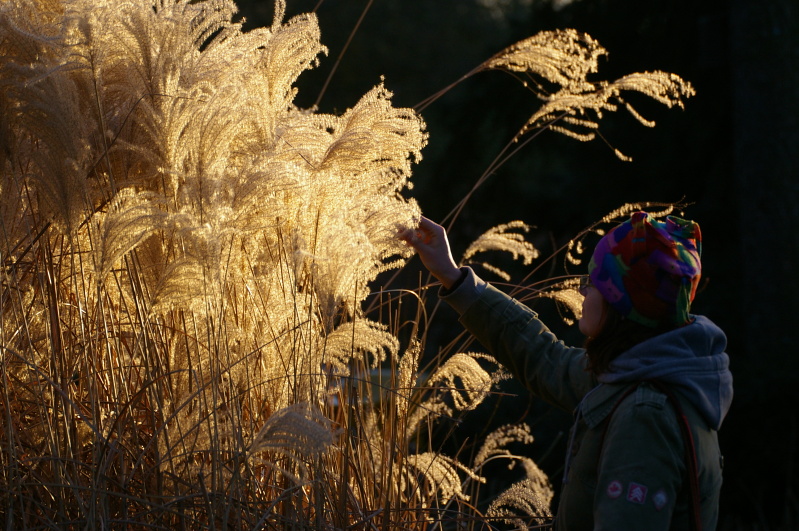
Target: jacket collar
[(598, 403)]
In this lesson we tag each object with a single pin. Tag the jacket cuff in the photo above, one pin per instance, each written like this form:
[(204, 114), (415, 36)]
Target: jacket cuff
[(465, 292)]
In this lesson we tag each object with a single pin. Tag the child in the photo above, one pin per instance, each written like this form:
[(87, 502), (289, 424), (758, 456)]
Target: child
[(649, 390)]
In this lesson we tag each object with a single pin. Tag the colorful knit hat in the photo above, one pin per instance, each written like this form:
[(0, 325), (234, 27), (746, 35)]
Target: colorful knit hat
[(648, 269)]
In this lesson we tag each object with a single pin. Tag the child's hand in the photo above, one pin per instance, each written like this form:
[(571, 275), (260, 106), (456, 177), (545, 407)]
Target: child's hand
[(429, 239)]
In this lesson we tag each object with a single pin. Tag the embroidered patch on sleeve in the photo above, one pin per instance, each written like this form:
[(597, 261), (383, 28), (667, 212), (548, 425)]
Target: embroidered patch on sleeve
[(660, 499), (636, 493), (614, 489)]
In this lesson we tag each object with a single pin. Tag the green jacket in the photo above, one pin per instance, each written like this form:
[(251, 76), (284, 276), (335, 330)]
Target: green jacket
[(625, 471)]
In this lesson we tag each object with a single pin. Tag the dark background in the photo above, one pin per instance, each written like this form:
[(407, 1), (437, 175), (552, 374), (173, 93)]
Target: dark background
[(731, 153)]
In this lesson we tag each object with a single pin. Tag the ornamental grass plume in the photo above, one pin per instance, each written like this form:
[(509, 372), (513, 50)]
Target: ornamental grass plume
[(556, 66), (185, 255)]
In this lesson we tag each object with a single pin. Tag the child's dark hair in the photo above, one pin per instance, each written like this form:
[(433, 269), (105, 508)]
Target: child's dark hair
[(618, 335)]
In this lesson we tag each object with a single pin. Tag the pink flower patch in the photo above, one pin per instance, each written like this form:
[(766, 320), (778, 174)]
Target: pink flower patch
[(614, 489)]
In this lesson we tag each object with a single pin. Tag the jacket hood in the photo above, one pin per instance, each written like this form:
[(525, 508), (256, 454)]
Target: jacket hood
[(690, 359)]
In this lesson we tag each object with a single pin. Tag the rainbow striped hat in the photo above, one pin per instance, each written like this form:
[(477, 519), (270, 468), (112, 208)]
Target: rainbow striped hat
[(648, 270)]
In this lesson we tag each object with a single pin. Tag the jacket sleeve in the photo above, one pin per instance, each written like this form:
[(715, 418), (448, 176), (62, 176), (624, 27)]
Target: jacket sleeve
[(520, 342), (641, 465)]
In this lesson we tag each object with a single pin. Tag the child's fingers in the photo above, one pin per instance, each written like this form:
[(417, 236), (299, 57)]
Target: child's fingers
[(421, 235), (413, 237), (424, 236)]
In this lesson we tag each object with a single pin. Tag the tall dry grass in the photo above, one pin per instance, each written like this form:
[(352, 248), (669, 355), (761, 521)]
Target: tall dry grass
[(186, 257)]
